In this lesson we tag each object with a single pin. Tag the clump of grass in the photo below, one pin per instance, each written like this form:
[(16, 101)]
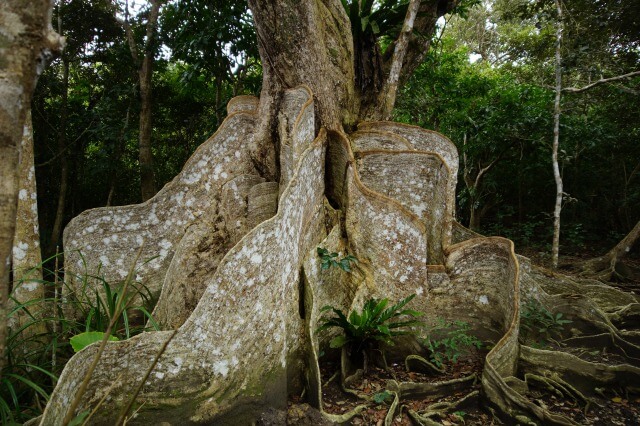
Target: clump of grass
[(35, 359)]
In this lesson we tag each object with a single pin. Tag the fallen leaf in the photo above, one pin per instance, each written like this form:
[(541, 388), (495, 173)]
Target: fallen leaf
[(616, 399)]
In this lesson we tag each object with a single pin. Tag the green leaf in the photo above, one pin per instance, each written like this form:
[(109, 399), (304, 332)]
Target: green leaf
[(355, 319), (82, 340), (410, 312), (374, 27), (384, 329), (344, 265), (79, 419), (338, 341), (381, 397), (364, 22)]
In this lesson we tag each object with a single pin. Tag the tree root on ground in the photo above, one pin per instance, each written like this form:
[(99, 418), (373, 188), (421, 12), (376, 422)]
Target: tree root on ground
[(441, 409), (418, 363)]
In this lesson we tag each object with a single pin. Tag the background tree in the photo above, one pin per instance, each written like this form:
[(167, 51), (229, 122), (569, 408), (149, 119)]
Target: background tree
[(27, 40), (143, 59)]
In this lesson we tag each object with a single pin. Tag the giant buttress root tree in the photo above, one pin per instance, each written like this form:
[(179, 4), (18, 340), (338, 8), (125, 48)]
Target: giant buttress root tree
[(236, 235)]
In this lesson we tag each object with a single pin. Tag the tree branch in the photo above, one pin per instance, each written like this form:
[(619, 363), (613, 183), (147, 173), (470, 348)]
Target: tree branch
[(391, 85), (599, 82), (133, 47)]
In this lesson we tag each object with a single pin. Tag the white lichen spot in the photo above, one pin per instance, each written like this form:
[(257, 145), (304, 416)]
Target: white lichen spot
[(153, 219), (419, 291), (22, 194), (256, 258), (484, 300), (30, 285), (221, 367), (178, 366), (20, 250), (104, 260), (166, 244)]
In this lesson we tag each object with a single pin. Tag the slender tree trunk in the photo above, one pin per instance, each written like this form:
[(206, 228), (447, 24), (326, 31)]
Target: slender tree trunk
[(388, 94), (473, 187), (56, 232), (474, 218), (218, 101), (27, 260), (115, 159), (147, 175), (145, 73), (27, 37), (555, 248)]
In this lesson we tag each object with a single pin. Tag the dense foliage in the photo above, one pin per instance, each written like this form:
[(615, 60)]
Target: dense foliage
[(487, 85)]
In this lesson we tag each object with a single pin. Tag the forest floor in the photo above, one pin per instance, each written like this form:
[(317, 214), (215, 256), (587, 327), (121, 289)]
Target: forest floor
[(609, 407), (613, 407)]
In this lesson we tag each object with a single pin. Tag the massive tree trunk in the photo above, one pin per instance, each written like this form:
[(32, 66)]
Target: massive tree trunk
[(25, 42), (234, 242)]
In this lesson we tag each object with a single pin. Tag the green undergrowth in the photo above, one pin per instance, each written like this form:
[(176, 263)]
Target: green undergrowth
[(34, 359), (377, 325), (539, 326), (448, 341), (372, 329)]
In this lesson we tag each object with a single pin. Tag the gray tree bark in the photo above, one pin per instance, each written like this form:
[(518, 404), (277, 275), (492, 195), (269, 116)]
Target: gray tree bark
[(27, 259), (26, 41)]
